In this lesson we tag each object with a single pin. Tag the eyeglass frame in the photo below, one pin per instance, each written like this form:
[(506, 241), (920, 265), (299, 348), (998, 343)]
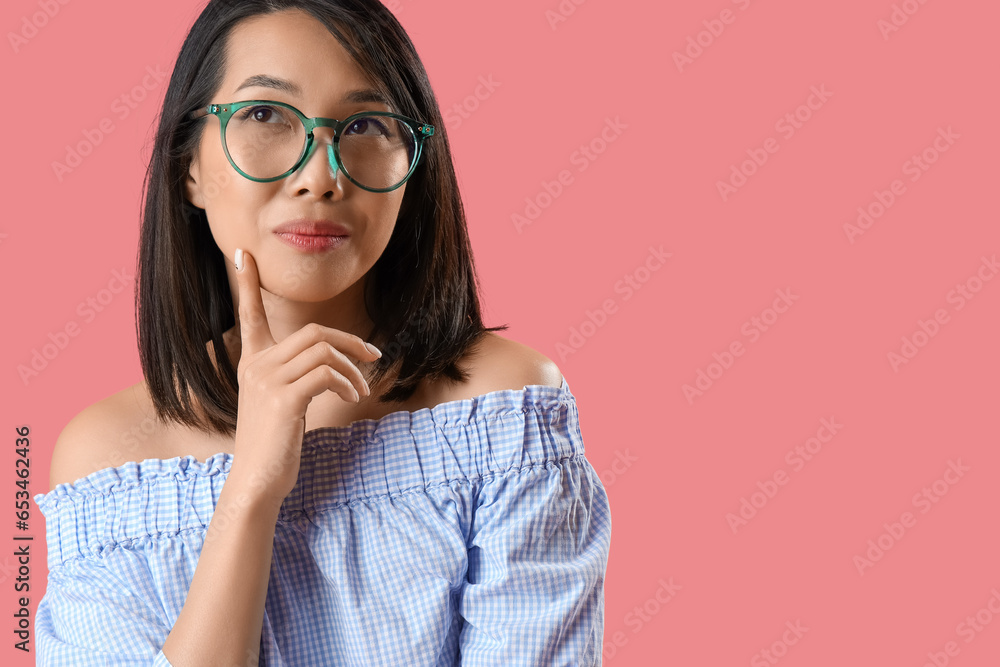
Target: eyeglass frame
[(225, 111)]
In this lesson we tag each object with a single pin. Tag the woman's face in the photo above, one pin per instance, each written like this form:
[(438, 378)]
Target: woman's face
[(315, 74)]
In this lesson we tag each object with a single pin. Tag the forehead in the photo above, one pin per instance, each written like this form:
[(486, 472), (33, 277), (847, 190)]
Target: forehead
[(294, 46)]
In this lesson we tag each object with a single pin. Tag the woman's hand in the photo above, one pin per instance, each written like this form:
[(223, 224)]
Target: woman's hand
[(277, 382)]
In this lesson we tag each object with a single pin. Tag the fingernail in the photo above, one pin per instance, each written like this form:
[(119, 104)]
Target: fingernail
[(239, 259), (374, 350)]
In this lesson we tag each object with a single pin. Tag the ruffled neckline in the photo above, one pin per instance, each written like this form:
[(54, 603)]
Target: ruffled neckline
[(446, 415)]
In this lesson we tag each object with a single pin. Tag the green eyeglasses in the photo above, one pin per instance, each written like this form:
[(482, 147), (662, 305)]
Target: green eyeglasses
[(266, 141)]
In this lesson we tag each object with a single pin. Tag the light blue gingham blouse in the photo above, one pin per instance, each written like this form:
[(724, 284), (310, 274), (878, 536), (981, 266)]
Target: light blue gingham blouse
[(474, 532)]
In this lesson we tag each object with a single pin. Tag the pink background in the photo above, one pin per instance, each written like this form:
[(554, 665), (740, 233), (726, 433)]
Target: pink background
[(674, 468)]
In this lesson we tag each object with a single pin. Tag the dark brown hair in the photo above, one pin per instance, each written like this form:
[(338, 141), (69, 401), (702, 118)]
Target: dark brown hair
[(421, 294)]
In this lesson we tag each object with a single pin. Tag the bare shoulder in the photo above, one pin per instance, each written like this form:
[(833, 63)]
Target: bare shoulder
[(498, 363), (102, 435), (515, 363)]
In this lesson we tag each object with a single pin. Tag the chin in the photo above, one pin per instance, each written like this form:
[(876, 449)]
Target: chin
[(311, 280)]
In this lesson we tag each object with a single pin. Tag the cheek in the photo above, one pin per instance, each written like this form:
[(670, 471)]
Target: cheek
[(220, 184), (232, 204), (224, 192), (389, 213), (384, 219)]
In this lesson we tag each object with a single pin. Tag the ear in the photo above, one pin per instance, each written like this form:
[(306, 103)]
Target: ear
[(192, 184)]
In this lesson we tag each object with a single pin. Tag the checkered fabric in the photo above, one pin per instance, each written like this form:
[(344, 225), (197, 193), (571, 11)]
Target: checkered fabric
[(472, 533)]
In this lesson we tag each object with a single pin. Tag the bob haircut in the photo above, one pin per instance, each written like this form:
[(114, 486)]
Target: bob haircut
[(421, 294)]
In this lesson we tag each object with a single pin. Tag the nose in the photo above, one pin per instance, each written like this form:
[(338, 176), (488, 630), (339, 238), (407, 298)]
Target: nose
[(320, 169), (330, 159)]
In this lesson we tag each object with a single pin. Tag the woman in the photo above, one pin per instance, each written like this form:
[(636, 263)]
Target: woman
[(279, 491)]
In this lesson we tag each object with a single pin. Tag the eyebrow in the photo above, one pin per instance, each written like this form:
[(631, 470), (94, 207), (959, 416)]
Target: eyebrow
[(354, 97)]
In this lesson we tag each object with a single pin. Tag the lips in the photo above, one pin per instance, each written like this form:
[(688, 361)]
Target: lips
[(304, 227), (312, 236)]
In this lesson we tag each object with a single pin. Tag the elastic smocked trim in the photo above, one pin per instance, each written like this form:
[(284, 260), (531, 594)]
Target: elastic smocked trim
[(463, 442), (442, 420)]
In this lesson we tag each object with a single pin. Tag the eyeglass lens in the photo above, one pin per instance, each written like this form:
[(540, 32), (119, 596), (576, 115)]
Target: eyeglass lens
[(265, 141)]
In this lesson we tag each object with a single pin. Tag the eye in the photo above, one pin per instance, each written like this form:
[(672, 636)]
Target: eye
[(262, 114), (369, 125)]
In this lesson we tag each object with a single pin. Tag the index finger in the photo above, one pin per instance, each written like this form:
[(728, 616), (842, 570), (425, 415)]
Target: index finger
[(255, 334)]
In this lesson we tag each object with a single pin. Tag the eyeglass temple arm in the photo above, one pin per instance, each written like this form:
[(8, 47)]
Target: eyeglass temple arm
[(204, 111), (197, 113)]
